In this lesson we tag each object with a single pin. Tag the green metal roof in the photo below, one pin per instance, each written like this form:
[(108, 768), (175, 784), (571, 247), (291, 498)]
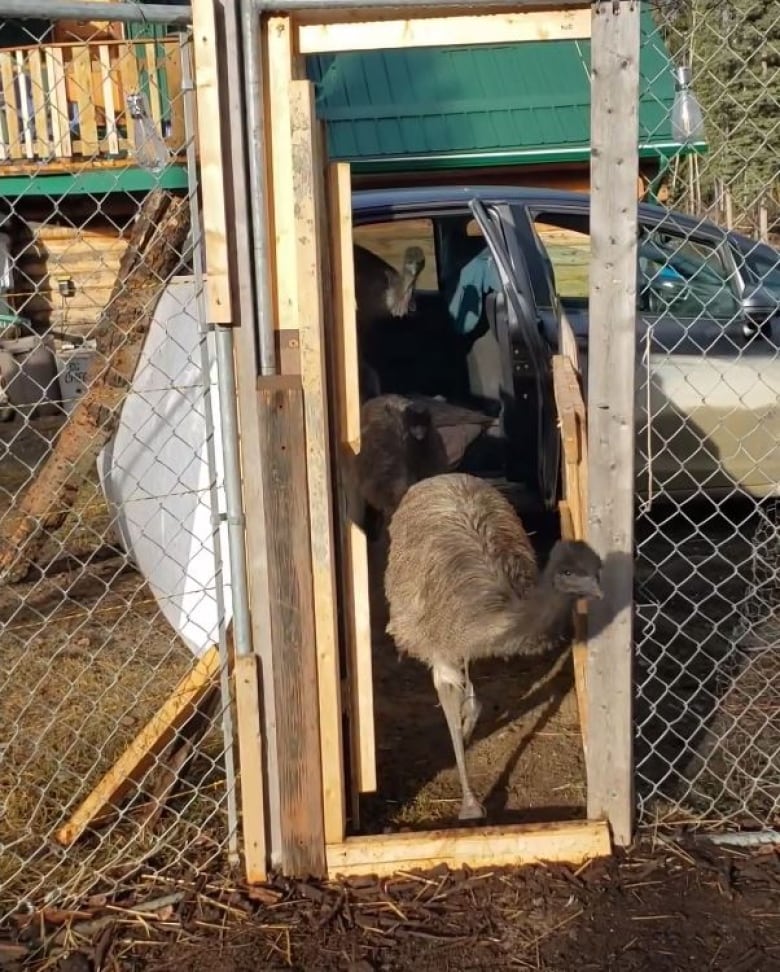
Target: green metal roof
[(436, 108)]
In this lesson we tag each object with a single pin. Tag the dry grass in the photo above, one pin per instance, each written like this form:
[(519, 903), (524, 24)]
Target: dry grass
[(741, 769), (86, 659)]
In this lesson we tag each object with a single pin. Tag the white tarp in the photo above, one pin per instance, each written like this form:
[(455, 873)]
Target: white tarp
[(155, 471)]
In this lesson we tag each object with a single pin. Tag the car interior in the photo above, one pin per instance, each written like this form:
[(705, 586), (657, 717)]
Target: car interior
[(450, 350)]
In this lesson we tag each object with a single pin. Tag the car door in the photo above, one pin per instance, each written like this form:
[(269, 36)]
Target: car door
[(530, 353), (706, 394), (708, 387)]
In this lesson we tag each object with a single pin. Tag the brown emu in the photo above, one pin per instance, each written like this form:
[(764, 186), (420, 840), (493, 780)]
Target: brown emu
[(380, 290), (399, 447), (462, 584)]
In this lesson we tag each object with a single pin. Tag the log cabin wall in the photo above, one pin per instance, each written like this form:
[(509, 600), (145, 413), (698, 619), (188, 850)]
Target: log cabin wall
[(76, 247)]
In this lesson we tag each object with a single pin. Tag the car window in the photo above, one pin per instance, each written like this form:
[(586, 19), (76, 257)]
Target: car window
[(390, 239), (677, 275), (568, 250), (765, 264), (684, 277)]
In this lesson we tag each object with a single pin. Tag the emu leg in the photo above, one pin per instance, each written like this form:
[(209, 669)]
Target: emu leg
[(470, 709), (449, 687)]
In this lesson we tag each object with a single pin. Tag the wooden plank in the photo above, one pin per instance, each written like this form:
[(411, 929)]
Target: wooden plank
[(497, 28), (250, 750), (345, 333), (40, 114), (155, 106), (571, 415), (15, 148), (572, 842), (243, 302), (140, 755), (172, 66), (611, 356), (579, 648), (81, 92), (24, 106), (293, 641), (210, 157), (309, 216), (107, 85), (354, 560), (60, 120), (128, 72), (278, 64)]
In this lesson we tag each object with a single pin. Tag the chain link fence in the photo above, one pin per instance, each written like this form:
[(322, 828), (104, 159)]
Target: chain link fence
[(116, 750), (708, 457)]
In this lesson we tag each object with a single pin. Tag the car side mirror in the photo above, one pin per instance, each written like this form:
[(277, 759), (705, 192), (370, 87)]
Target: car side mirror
[(759, 304)]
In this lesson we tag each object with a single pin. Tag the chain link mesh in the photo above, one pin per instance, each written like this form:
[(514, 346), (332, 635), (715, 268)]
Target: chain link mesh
[(708, 455), (114, 581)]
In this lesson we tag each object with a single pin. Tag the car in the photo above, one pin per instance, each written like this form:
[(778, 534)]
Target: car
[(505, 265)]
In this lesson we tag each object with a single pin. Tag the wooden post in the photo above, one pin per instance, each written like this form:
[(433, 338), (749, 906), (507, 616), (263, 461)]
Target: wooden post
[(354, 561), (763, 221), (210, 157), (612, 354), (298, 216), (281, 407), (243, 302)]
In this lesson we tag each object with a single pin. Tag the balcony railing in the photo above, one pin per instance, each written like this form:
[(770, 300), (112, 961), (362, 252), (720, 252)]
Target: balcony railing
[(64, 104)]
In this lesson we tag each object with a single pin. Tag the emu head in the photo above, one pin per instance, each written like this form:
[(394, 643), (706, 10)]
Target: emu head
[(574, 569), (416, 421), (402, 302)]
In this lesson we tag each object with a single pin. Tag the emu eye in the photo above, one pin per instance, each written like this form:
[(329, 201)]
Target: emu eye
[(567, 573)]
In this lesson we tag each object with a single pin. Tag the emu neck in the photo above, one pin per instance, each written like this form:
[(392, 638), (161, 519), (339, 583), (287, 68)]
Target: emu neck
[(551, 607), (530, 625)]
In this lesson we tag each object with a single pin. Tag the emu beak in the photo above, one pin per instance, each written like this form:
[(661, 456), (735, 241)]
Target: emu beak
[(592, 589)]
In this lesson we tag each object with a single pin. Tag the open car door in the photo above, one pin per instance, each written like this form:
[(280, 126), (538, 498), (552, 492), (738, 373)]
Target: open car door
[(531, 421)]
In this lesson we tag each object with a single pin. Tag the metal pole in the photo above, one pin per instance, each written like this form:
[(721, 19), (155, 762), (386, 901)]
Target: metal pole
[(247, 340), (253, 83), (128, 13)]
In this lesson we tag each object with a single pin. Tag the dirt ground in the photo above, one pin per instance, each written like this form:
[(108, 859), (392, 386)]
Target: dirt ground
[(662, 908)]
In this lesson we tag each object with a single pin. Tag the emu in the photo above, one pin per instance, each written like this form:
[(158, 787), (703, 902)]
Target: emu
[(462, 584), (399, 447), (380, 290)]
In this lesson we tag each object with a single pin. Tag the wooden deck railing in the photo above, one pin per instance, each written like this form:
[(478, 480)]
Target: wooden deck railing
[(65, 103)]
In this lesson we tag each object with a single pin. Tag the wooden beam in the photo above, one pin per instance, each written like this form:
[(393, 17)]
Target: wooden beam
[(243, 303), (278, 63), (611, 357), (309, 216), (572, 842), (281, 406), (250, 750), (573, 509), (211, 162), (498, 28), (354, 560), (140, 755)]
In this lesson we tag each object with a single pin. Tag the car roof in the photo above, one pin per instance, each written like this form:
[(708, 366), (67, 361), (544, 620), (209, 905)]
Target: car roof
[(400, 200)]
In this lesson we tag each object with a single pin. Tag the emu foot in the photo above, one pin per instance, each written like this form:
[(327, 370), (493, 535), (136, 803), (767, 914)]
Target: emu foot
[(469, 714), (471, 808)]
